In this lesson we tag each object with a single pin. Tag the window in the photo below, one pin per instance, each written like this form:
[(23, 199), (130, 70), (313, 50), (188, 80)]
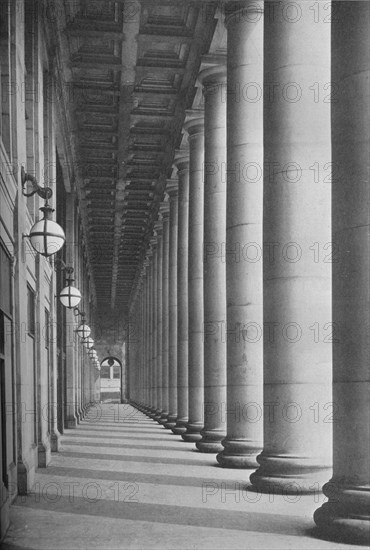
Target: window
[(105, 372), (116, 372)]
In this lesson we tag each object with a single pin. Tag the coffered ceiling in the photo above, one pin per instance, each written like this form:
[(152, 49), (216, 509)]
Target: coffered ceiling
[(132, 69)]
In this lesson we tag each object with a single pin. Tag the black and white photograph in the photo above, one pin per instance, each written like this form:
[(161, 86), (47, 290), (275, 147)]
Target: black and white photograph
[(184, 274)]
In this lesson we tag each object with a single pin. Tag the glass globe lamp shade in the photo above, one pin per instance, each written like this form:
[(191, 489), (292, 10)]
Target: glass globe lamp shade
[(88, 342), (84, 331), (46, 236), (70, 296)]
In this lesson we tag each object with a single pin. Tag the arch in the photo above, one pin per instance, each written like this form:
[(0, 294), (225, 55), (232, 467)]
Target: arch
[(111, 380), (109, 358)]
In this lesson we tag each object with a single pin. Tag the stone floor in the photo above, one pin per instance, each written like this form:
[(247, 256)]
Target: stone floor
[(122, 481)]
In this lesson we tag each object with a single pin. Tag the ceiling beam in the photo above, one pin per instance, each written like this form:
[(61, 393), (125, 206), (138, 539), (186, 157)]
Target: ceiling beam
[(77, 30), (129, 51)]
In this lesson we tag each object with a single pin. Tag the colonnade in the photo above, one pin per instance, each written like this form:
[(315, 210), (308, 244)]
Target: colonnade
[(250, 323)]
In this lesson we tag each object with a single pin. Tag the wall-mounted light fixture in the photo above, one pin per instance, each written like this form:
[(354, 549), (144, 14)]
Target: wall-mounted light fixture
[(83, 330), (88, 342), (69, 296), (46, 236)]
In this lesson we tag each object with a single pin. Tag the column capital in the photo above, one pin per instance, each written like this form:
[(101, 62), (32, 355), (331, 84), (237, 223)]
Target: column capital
[(153, 243), (164, 210), (158, 227), (213, 70), (172, 187), (212, 76), (194, 122), (181, 160)]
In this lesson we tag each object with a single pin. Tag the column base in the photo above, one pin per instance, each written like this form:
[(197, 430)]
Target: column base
[(345, 518), (43, 454), (180, 427), (211, 441), (25, 477), (54, 440), (171, 421), (238, 453), (158, 415), (163, 419), (192, 434), (71, 422), (289, 475), (4, 510), (151, 412), (78, 415)]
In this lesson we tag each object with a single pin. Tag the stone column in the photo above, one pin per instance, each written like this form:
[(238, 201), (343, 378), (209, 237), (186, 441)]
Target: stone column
[(165, 351), (158, 318), (243, 251), (195, 128), (140, 399), (155, 328), (147, 337), (143, 400), (346, 516), (214, 272), (152, 328), (131, 355), (297, 285), (139, 339), (172, 190), (136, 375), (71, 416), (182, 165)]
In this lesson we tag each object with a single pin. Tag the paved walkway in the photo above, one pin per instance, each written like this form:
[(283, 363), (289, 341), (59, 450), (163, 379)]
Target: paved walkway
[(122, 481)]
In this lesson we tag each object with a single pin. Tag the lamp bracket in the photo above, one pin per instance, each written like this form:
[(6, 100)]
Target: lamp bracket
[(44, 192), (64, 267), (76, 311)]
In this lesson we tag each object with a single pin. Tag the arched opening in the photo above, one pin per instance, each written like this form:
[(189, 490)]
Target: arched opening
[(111, 380)]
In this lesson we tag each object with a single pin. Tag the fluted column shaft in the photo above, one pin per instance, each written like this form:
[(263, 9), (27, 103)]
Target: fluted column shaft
[(214, 272), (297, 218), (347, 514), (195, 127), (182, 163), (172, 189), (244, 237)]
